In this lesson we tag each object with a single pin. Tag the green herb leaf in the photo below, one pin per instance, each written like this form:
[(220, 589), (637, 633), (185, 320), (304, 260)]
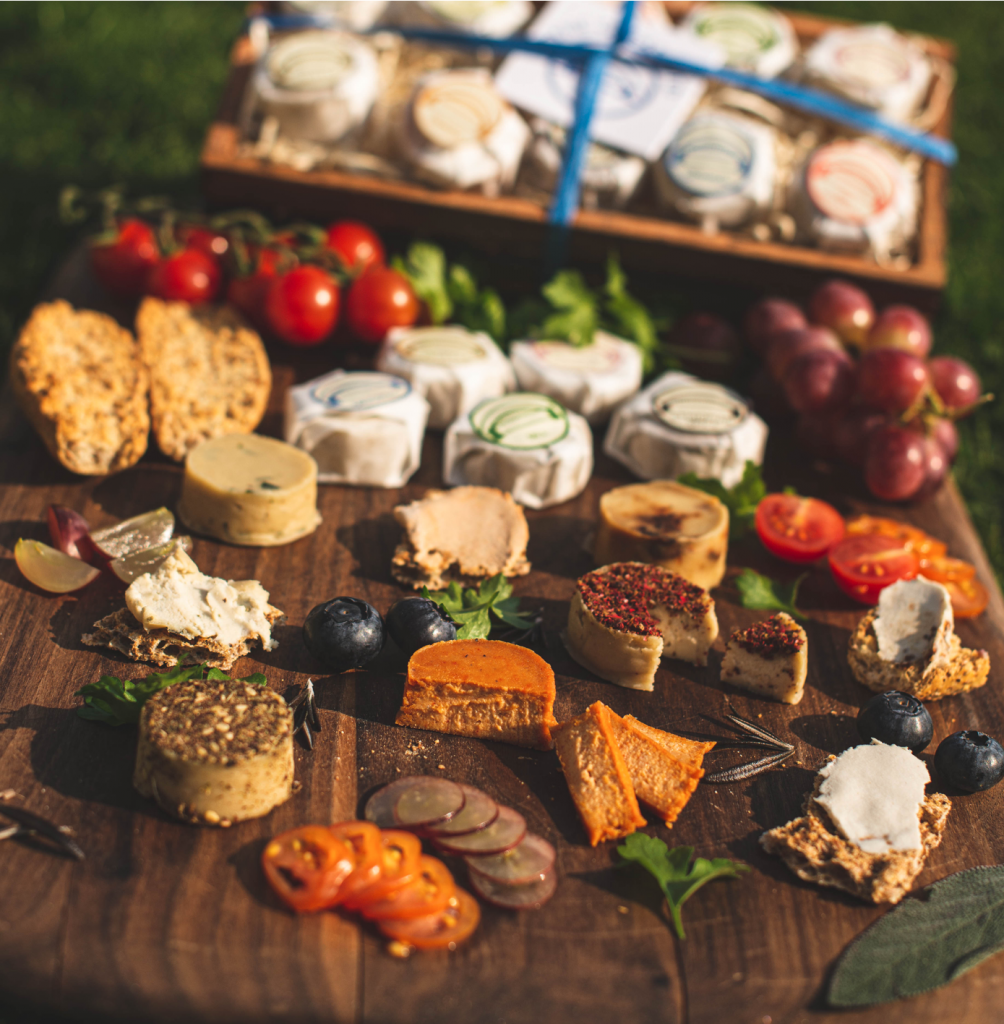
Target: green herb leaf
[(677, 877), (629, 318), (924, 943), (576, 309), (478, 309), (741, 500), (761, 592), (425, 268), (470, 609), (117, 701)]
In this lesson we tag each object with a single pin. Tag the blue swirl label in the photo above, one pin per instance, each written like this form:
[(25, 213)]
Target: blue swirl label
[(355, 392)]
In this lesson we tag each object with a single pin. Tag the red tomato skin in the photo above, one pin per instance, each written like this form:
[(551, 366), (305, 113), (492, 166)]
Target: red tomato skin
[(124, 265), (826, 523), (186, 276), (379, 300), (249, 291), (867, 591), (302, 305), (357, 246), (193, 236)]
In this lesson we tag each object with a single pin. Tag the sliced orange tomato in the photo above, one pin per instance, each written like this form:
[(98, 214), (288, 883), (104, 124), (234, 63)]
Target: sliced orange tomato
[(947, 570), (400, 854), (306, 867), (912, 537), (363, 839), (442, 930), (969, 597), (863, 565), (797, 529), (429, 892)]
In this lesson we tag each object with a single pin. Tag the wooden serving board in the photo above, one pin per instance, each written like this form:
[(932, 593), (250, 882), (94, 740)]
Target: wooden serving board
[(166, 922)]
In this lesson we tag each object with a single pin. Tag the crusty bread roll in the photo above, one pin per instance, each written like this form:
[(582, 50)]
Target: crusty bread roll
[(209, 374), (79, 378)]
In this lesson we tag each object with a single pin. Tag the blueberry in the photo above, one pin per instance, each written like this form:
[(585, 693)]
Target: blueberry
[(896, 718), (970, 760), (344, 633), (417, 622)]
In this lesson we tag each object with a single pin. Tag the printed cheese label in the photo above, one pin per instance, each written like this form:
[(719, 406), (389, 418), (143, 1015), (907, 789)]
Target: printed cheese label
[(710, 157), (873, 63), (310, 61), (602, 356), (851, 181), (457, 108), (443, 348), (744, 31), (355, 392), (699, 408), (522, 421)]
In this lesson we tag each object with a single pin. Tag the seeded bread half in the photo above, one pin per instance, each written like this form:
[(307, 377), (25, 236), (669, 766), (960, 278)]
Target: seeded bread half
[(209, 374), (79, 378), (813, 848)]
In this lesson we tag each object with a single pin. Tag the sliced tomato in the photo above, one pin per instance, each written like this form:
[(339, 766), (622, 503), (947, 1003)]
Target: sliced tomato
[(969, 597), (443, 930), (363, 839), (943, 569), (798, 529), (400, 854), (864, 565), (429, 892), (307, 866), (912, 537)]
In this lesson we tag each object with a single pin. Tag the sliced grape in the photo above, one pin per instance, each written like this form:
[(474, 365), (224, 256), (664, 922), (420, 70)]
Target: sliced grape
[(52, 570), (428, 802), (521, 896), (68, 530), (130, 567), (136, 534), (527, 861), (380, 806), (480, 810), (503, 834)]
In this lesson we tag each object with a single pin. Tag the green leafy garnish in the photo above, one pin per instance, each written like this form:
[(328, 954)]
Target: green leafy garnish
[(425, 267), (478, 309), (763, 593), (117, 701), (924, 943), (575, 309), (677, 877), (741, 500), (470, 609), (628, 317)]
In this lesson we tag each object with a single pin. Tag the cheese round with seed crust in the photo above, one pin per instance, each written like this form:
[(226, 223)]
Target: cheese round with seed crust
[(250, 490), (215, 752)]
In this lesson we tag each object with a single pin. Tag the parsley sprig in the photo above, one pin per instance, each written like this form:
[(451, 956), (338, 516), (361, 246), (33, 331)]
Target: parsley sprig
[(761, 592), (741, 500), (678, 878), (117, 701), (472, 610)]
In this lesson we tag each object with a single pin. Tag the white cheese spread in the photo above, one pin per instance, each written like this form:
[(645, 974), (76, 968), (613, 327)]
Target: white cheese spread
[(914, 621), (873, 795)]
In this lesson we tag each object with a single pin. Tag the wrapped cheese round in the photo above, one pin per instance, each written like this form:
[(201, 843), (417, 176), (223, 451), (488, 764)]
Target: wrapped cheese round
[(460, 133), (360, 427), (319, 85), (495, 18), (250, 490), (524, 443), (591, 380), (680, 424), (451, 368), (719, 167), (854, 195), (357, 15), (754, 38), (872, 65)]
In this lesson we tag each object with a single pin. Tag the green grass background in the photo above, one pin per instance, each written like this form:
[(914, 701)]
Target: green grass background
[(97, 93)]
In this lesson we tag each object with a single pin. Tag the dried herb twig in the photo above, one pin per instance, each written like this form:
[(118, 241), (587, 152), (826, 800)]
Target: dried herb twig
[(31, 824), (305, 716), (754, 736)]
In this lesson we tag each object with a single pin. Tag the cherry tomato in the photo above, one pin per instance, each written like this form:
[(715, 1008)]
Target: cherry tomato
[(864, 565), (429, 892), (123, 266), (797, 529), (969, 597), (306, 867), (922, 544), (379, 300), (186, 276), (399, 865), (193, 236), (356, 245), (943, 569), (444, 930), (302, 305), (249, 291), (363, 839)]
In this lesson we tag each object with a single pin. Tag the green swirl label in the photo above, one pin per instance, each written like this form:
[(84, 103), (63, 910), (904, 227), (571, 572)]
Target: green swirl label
[(522, 421), (744, 31), (441, 347)]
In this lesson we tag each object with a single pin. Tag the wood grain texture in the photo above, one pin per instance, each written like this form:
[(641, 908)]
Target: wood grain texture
[(166, 922)]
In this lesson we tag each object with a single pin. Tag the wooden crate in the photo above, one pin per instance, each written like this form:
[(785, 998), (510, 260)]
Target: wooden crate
[(514, 226)]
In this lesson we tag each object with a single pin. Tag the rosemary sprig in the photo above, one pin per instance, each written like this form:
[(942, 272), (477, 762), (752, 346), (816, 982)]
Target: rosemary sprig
[(31, 824), (305, 715), (754, 736), (748, 770)]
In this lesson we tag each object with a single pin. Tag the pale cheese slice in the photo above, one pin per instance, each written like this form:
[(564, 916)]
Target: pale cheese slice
[(914, 621)]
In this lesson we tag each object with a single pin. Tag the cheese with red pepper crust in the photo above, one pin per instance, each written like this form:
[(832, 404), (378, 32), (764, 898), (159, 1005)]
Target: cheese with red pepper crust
[(769, 659)]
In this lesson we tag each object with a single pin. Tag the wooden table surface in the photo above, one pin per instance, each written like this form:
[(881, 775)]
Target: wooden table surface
[(166, 922)]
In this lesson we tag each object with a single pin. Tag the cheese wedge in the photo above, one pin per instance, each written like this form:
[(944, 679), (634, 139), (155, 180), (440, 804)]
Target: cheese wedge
[(666, 524), (769, 659)]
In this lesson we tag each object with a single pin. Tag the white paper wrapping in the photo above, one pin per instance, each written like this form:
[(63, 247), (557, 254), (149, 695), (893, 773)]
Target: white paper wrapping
[(357, 15), (495, 18), (360, 427), (452, 368), (591, 380), (523, 443), (753, 37), (681, 424), (319, 85)]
